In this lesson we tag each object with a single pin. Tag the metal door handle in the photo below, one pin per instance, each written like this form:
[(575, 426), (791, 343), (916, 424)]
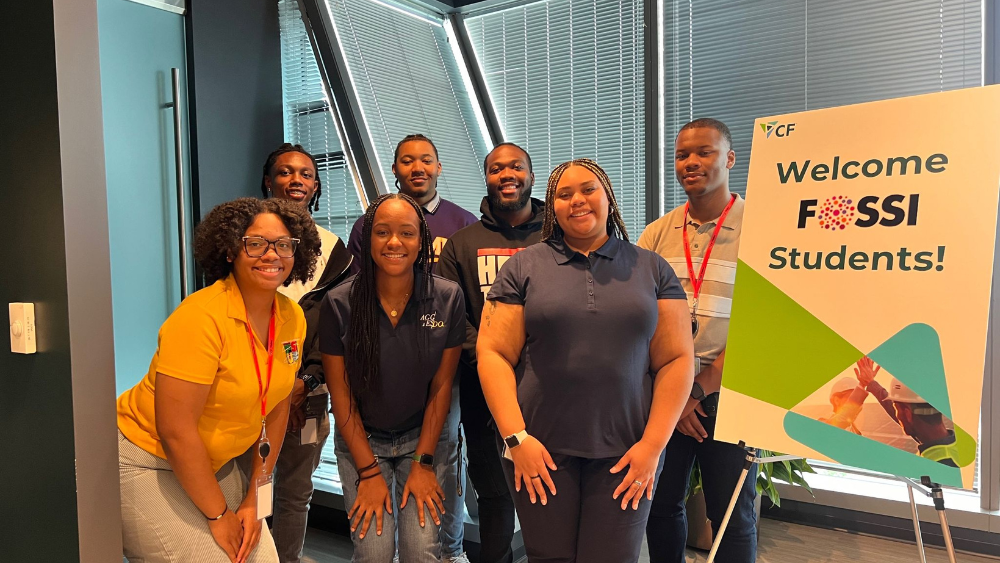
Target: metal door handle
[(175, 78)]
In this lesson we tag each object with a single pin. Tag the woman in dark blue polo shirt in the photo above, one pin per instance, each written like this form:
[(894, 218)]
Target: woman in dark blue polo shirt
[(391, 339), (586, 361)]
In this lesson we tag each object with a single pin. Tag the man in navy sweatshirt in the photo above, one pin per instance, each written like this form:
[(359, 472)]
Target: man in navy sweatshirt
[(416, 167), (512, 220)]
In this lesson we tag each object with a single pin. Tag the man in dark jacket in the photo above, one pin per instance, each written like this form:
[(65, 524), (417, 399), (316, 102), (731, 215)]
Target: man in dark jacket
[(511, 221), (291, 173)]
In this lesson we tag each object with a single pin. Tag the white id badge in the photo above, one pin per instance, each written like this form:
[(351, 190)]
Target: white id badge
[(697, 365), (265, 496), (310, 432)]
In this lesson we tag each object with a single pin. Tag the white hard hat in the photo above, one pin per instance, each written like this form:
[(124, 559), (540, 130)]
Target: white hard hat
[(844, 384), (899, 393)]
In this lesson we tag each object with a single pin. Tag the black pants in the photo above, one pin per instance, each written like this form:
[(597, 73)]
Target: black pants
[(496, 508), (721, 465), (582, 523)]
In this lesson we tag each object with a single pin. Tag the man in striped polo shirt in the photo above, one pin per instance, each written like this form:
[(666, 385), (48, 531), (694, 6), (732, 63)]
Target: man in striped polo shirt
[(700, 240)]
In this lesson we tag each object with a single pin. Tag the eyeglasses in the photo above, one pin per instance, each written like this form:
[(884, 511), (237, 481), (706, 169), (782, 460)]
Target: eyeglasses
[(256, 247)]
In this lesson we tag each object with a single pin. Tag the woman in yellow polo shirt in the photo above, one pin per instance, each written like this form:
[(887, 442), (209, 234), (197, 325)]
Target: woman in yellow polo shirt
[(219, 382)]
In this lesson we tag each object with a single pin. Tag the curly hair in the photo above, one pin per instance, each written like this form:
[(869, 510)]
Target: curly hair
[(219, 236), (551, 228), (273, 158)]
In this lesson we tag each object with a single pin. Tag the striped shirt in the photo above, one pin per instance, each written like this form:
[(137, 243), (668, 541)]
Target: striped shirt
[(664, 236)]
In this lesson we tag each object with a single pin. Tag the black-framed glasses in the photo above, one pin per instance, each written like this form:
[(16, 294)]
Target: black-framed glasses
[(256, 247)]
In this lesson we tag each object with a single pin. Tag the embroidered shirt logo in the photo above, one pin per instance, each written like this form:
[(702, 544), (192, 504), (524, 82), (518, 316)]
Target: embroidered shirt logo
[(291, 351), (430, 320)]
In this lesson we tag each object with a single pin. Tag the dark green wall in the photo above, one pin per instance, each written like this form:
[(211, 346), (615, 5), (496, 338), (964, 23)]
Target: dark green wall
[(38, 512), (234, 78)]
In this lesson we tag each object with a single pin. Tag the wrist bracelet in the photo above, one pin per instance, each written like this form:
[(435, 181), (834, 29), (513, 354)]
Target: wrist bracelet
[(357, 482), (373, 465), (219, 517)]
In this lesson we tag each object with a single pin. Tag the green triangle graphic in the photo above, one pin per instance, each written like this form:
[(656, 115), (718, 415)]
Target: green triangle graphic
[(848, 448), (763, 127), (913, 356), (811, 354)]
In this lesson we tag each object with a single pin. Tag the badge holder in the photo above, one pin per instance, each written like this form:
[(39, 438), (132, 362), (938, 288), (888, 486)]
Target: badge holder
[(265, 481), (316, 407)]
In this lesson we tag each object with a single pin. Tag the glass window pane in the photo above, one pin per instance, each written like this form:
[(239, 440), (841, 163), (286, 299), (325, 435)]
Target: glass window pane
[(566, 79)]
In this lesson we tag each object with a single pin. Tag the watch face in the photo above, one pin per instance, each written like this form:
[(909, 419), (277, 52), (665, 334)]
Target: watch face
[(426, 459), (512, 441)]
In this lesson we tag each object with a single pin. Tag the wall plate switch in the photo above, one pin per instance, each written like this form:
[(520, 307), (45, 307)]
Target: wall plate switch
[(22, 328)]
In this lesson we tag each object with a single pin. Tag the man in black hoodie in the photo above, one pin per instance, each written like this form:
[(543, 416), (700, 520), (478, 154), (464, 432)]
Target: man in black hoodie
[(511, 221)]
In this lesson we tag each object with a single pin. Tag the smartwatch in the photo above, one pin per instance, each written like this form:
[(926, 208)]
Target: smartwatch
[(697, 393), (515, 440), (311, 382), (427, 460)]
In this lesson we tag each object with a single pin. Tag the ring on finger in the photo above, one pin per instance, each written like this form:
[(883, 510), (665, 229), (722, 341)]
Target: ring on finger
[(637, 483), (536, 477)]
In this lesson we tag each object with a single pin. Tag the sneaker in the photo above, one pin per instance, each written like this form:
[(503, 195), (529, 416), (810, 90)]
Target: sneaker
[(460, 558)]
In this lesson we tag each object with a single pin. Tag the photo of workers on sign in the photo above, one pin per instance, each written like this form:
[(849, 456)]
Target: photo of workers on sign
[(886, 411)]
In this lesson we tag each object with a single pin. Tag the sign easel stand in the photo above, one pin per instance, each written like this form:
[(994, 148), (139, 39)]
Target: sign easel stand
[(925, 486), (933, 491), (749, 460)]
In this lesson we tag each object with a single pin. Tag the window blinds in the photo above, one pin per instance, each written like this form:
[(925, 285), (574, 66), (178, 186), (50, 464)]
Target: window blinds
[(737, 61), (408, 80), (308, 122), (566, 80)]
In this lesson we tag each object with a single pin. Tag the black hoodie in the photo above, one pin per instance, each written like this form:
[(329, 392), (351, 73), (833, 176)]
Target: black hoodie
[(473, 257), (336, 271)]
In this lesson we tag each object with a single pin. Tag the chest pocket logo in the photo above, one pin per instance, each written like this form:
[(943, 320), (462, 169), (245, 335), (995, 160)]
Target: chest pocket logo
[(291, 351), (430, 321)]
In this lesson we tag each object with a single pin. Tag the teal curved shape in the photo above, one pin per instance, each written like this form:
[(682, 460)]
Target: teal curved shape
[(848, 448), (913, 356)]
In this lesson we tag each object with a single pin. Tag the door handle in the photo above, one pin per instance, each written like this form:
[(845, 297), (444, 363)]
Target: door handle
[(175, 78)]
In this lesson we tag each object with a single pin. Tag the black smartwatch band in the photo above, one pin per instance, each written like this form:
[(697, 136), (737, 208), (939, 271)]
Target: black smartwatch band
[(697, 393), (427, 460), (311, 382)]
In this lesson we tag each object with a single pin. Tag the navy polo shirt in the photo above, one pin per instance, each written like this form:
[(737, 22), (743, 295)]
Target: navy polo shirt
[(410, 352), (583, 381)]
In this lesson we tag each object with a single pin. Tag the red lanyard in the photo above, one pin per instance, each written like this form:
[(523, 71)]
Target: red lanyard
[(696, 282), (270, 361)]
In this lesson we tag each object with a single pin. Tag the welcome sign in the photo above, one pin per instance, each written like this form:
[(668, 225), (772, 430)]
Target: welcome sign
[(860, 311)]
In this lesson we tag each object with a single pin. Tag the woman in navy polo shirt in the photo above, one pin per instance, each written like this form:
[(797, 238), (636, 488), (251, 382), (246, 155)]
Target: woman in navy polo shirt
[(391, 339), (586, 361)]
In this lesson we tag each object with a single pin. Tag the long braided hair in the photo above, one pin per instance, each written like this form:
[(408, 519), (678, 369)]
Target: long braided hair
[(273, 158), (363, 355), (551, 228)]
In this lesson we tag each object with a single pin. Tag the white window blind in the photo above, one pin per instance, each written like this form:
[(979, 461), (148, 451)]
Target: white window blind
[(737, 61), (408, 81), (309, 122), (566, 80)]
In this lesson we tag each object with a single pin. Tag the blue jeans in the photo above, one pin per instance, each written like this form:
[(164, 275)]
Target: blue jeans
[(293, 485), (721, 465), (453, 521), (415, 543)]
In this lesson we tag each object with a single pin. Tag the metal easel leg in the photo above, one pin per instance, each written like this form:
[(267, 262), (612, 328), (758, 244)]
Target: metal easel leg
[(916, 523), (938, 497), (751, 457)]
